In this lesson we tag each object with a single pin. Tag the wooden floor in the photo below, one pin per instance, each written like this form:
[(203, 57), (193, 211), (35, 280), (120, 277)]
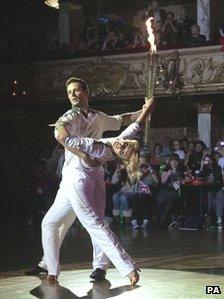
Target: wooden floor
[(174, 265)]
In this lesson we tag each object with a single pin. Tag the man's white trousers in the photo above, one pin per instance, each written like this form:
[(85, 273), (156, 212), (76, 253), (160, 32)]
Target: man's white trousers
[(83, 197)]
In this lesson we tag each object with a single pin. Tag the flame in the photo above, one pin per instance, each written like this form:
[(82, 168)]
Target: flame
[(151, 37)]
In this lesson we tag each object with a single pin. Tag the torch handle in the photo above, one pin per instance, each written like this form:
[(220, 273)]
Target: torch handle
[(149, 90)]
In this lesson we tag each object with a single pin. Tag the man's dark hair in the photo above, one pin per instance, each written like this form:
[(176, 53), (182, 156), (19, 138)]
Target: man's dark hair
[(174, 156), (78, 80)]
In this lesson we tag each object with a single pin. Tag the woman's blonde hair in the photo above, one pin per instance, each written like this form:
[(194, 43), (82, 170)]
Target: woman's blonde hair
[(131, 164)]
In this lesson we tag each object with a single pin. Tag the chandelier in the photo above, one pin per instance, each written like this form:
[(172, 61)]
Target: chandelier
[(168, 74)]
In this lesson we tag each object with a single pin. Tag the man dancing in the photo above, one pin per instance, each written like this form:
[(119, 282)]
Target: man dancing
[(85, 122)]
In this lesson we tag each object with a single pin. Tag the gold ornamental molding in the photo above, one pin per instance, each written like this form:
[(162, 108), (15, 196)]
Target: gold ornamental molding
[(204, 107), (113, 77)]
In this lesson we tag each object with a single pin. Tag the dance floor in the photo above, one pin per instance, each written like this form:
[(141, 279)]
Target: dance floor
[(173, 265)]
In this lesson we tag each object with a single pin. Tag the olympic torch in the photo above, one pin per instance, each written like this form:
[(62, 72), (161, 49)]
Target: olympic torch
[(152, 67)]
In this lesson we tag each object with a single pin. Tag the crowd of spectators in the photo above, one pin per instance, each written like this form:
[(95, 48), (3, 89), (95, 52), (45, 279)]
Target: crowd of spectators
[(29, 177), (116, 34), (32, 42), (164, 190), (177, 181)]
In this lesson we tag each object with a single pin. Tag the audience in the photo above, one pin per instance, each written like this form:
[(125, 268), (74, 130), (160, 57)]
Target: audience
[(30, 176), (114, 34)]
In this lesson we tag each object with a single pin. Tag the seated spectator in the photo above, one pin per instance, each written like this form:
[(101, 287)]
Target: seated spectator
[(177, 150), (157, 159), (169, 29), (211, 171), (139, 41), (167, 147), (195, 158), (184, 29), (218, 156), (122, 198), (125, 40), (195, 39), (145, 188), (168, 199), (185, 144), (111, 42), (191, 150)]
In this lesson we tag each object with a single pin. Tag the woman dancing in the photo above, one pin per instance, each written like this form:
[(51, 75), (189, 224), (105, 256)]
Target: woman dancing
[(93, 153)]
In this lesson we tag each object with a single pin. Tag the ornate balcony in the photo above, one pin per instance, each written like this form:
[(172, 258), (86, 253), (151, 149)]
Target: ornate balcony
[(121, 76)]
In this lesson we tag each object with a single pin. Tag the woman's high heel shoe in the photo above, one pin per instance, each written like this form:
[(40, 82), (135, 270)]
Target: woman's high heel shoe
[(134, 277)]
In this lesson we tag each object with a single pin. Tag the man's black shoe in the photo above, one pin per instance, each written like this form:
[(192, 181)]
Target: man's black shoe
[(35, 271), (98, 274)]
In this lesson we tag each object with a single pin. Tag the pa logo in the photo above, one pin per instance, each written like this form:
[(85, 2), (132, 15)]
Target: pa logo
[(213, 290)]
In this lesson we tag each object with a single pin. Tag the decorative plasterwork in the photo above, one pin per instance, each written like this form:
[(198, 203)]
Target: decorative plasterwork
[(115, 76), (204, 107)]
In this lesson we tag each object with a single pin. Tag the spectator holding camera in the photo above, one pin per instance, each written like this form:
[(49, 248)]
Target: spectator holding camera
[(146, 188), (167, 200), (169, 29)]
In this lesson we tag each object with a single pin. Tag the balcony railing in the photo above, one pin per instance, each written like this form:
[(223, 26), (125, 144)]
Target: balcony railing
[(113, 76)]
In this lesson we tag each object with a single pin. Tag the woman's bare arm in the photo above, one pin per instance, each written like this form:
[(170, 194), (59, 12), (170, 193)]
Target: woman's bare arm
[(146, 109), (62, 135)]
